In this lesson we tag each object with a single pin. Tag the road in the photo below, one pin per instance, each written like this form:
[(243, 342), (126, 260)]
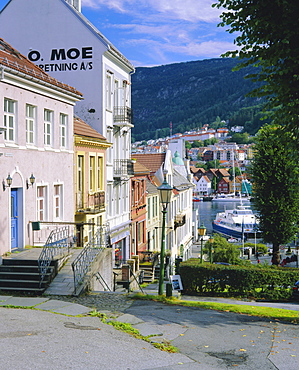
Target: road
[(207, 340)]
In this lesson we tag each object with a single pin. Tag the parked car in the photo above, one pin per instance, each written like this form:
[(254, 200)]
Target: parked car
[(296, 290)]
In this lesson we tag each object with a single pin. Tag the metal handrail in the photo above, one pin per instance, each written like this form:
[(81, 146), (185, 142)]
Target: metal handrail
[(58, 243), (82, 264)]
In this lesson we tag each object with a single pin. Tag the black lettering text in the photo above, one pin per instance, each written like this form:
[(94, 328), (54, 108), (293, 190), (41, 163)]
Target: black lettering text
[(86, 53), (57, 54), (34, 55), (73, 53)]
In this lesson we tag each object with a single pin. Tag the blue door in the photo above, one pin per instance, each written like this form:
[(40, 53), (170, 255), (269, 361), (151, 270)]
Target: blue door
[(14, 218)]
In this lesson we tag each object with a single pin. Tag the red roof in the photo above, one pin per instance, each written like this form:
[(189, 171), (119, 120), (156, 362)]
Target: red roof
[(83, 129), (151, 161)]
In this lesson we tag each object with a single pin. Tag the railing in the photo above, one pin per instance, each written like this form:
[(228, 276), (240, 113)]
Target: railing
[(58, 243), (123, 167), (82, 264), (123, 114), (90, 203)]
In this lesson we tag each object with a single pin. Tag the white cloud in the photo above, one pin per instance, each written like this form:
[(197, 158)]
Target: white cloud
[(188, 10)]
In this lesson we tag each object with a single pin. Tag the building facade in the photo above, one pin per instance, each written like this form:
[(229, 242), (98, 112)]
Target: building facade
[(66, 45), (36, 151)]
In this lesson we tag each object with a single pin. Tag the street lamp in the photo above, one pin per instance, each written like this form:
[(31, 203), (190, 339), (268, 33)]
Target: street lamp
[(165, 193), (202, 232)]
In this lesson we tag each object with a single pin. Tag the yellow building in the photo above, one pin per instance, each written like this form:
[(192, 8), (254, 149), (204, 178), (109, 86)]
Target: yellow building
[(90, 192)]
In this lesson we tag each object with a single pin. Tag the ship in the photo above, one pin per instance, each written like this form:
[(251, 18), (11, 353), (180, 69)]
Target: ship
[(239, 223)]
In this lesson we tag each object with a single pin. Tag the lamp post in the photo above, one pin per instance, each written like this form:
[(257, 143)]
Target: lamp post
[(165, 193), (202, 232)]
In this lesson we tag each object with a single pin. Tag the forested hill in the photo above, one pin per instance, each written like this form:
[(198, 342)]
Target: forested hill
[(189, 95)]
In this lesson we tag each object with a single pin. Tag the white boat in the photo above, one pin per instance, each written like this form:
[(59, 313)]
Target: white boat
[(239, 223), (230, 198)]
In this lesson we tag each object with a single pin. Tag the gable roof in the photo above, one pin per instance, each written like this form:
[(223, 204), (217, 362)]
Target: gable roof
[(83, 129), (18, 63), (151, 161)]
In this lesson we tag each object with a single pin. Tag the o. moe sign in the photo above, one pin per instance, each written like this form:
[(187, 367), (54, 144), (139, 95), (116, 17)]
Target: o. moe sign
[(58, 56)]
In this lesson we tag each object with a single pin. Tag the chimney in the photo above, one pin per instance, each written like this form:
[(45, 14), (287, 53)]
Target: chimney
[(75, 3)]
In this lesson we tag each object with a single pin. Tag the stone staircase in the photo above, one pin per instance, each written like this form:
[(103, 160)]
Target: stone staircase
[(148, 273), (22, 275)]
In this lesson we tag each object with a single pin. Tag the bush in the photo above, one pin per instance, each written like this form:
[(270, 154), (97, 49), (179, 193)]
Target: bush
[(247, 281)]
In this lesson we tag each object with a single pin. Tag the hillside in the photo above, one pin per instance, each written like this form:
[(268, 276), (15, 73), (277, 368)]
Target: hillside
[(189, 95)]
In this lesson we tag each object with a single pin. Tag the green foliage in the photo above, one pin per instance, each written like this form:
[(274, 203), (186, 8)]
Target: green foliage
[(223, 251), (267, 37), (275, 170), (240, 138), (250, 281), (261, 248), (197, 144), (188, 95)]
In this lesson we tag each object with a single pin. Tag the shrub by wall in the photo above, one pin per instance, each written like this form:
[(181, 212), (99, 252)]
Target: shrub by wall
[(247, 281)]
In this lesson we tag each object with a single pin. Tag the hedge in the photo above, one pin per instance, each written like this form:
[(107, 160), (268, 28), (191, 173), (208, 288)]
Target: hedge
[(251, 281)]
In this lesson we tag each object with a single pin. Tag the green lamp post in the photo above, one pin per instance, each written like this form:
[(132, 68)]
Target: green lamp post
[(165, 193), (202, 232)]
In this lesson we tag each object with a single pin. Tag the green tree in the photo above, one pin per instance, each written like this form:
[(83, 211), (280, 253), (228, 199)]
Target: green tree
[(197, 144), (275, 174), (239, 138), (267, 38), (222, 250), (213, 164), (188, 145), (237, 173)]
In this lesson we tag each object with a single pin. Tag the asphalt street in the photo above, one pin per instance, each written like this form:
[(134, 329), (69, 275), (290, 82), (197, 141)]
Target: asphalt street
[(53, 336)]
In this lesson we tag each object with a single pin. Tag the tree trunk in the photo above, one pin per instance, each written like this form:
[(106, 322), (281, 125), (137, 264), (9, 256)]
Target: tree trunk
[(276, 255)]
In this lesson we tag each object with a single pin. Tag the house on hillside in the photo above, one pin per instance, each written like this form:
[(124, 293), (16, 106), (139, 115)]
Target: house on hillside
[(203, 185), (36, 152), (224, 186), (66, 45)]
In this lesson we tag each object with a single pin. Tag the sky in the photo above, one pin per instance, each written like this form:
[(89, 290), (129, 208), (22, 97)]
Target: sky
[(159, 32)]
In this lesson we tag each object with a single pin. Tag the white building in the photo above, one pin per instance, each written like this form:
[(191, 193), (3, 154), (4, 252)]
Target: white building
[(56, 36), (36, 146), (203, 186)]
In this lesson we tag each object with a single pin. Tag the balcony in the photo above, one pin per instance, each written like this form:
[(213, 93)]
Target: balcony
[(122, 116), (90, 203), (179, 220), (123, 168)]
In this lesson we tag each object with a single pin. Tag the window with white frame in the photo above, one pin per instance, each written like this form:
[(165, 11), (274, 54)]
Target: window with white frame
[(41, 203), (30, 123), (9, 119), (58, 202), (109, 91), (48, 124), (80, 174), (92, 173), (63, 130)]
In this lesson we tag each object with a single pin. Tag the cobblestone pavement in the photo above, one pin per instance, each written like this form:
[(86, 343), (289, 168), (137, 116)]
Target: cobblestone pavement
[(106, 301)]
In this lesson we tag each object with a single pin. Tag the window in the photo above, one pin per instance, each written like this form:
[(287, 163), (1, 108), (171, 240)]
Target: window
[(41, 203), (58, 201), (91, 173), (9, 119), (63, 130), (48, 122), (80, 173), (108, 91), (140, 232), (100, 173), (30, 123)]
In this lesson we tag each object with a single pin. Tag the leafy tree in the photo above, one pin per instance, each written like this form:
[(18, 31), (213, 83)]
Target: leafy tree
[(275, 174), (222, 250), (197, 144), (239, 138), (188, 145), (267, 38), (213, 164), (237, 172)]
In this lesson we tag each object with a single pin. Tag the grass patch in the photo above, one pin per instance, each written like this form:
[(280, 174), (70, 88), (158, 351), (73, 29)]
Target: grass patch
[(259, 311), (127, 328)]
